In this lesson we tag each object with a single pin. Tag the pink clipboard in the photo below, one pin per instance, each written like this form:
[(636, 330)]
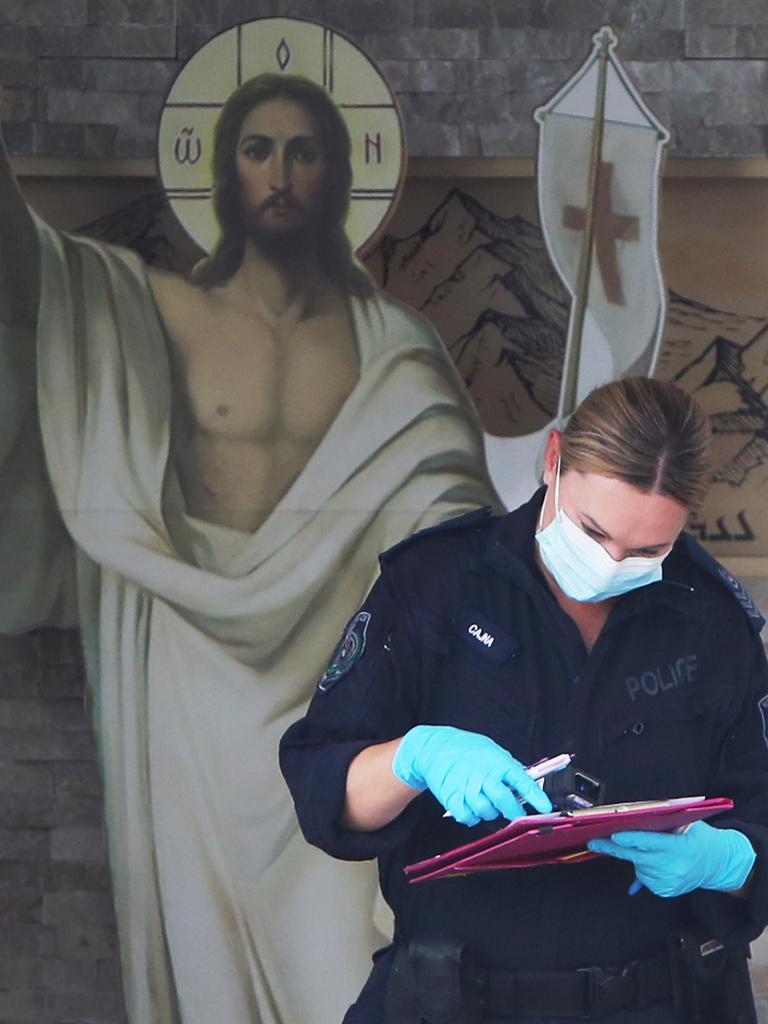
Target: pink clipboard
[(561, 838)]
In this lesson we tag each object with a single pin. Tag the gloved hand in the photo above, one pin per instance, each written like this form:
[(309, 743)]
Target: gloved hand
[(670, 864), (472, 777)]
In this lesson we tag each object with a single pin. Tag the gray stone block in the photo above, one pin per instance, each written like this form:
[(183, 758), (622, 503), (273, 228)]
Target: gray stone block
[(108, 977), (546, 75), (73, 777), (60, 877), (136, 12), (16, 680), (26, 810), (651, 75), (480, 107), (62, 72), (739, 108), (61, 140), (434, 140), (515, 13), (14, 41), (513, 139), (22, 939), (20, 972), (104, 41), (720, 140), (197, 12), (35, 779), (77, 908), (234, 12), (99, 141), (30, 844), (420, 75), (22, 1005), (710, 42), (78, 845), (535, 44), (95, 1007), (716, 14), (134, 75), (66, 975), (752, 42), (86, 942), (636, 44), (460, 14), (369, 15), (422, 44), (46, 745), (692, 76), (191, 37), (24, 874), (431, 107), (136, 140), (17, 104), (21, 714), (17, 71), (490, 75), (150, 108), (43, 12), (69, 107), (60, 647), (21, 903), (76, 810)]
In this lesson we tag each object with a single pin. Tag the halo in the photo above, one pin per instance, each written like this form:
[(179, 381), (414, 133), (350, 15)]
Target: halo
[(288, 46)]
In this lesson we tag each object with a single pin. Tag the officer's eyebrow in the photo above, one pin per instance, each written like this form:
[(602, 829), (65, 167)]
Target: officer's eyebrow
[(647, 549)]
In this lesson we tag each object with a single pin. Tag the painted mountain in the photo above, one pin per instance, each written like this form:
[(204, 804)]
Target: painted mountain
[(486, 283)]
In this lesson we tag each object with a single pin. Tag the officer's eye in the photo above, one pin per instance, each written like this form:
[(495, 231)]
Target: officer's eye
[(592, 532)]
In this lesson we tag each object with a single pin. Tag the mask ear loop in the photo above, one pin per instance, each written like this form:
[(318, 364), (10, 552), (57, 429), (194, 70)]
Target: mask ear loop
[(557, 496)]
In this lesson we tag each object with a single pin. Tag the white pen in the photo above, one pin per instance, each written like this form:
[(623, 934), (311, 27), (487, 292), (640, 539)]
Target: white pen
[(540, 769)]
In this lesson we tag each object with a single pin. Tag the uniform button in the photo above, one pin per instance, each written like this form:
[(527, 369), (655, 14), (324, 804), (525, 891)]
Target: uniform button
[(637, 728)]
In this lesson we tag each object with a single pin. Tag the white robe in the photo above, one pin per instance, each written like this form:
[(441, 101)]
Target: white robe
[(202, 644)]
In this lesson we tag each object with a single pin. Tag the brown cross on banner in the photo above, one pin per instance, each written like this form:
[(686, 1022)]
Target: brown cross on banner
[(610, 227)]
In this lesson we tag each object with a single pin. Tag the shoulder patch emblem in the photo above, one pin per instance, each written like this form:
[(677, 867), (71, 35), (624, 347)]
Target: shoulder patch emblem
[(741, 596), (348, 651), (762, 706)]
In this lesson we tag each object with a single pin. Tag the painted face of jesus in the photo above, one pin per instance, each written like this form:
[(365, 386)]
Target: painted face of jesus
[(281, 166)]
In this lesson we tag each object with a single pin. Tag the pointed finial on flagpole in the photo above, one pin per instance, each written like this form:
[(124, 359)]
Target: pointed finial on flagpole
[(605, 38)]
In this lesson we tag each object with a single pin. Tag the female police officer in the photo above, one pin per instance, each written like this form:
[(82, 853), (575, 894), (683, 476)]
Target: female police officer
[(584, 621)]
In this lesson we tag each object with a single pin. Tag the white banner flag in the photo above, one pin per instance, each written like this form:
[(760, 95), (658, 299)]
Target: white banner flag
[(625, 302)]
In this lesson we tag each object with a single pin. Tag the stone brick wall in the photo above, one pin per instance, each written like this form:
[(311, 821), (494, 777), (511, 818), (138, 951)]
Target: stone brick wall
[(58, 948), (88, 77)]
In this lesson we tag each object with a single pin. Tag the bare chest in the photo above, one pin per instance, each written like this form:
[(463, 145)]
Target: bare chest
[(240, 377)]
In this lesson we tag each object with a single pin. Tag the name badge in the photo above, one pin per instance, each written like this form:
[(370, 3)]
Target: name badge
[(483, 636)]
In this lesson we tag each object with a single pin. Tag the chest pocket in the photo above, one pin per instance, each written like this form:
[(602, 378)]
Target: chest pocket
[(660, 750), (480, 687)]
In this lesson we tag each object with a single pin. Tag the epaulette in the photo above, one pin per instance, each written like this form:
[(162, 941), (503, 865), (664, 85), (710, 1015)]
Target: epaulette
[(462, 522), (704, 560)]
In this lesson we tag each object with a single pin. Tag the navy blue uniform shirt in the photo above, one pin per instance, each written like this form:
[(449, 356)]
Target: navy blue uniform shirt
[(671, 701)]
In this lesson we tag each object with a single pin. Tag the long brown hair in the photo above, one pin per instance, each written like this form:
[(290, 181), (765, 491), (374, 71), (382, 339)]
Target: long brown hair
[(335, 254), (648, 433)]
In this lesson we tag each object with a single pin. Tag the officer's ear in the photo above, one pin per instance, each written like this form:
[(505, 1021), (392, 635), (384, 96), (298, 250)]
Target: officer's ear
[(551, 455)]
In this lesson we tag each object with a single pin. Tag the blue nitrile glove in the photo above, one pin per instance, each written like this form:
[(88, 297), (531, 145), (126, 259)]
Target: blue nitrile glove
[(671, 864), (472, 777)]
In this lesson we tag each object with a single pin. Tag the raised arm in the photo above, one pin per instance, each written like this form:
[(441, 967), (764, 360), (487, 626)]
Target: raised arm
[(19, 251)]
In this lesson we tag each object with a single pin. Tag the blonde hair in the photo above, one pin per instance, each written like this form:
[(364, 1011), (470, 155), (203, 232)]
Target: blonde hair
[(648, 433)]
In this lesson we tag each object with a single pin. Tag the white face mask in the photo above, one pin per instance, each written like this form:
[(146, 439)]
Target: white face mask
[(581, 567)]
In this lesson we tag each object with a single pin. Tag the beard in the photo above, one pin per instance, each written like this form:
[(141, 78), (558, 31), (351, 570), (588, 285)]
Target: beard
[(284, 243)]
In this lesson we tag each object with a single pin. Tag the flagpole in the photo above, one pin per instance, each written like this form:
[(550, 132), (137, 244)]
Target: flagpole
[(570, 375)]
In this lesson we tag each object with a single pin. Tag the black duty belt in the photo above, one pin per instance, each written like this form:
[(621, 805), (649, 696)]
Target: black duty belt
[(589, 992), (435, 983)]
